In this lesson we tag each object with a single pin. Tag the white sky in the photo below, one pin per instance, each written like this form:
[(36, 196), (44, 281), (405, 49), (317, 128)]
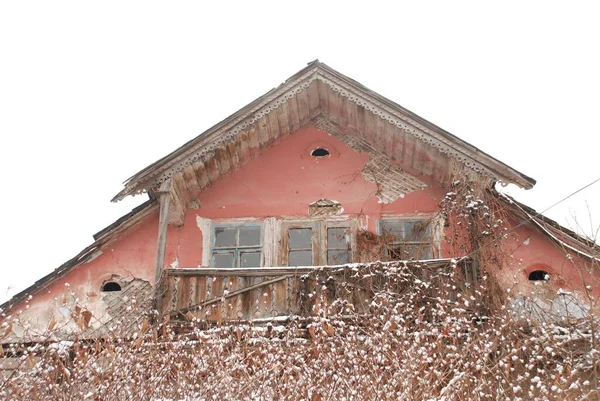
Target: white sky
[(92, 92)]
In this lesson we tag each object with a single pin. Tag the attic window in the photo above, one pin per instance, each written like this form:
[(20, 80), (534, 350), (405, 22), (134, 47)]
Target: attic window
[(111, 286), (539, 275), (320, 152)]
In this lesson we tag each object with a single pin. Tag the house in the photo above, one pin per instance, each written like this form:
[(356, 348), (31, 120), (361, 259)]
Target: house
[(320, 171)]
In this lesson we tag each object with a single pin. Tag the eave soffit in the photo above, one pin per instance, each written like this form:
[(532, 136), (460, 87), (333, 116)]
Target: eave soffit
[(227, 130)]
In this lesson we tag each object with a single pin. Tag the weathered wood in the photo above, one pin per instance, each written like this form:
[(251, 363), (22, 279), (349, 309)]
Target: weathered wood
[(262, 129), (223, 162), (273, 127), (201, 175), (161, 242), (313, 99), (233, 156), (212, 169), (218, 295), (282, 117), (293, 114), (303, 108), (232, 294), (191, 182)]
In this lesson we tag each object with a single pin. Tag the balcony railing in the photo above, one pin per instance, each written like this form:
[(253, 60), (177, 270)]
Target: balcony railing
[(274, 292)]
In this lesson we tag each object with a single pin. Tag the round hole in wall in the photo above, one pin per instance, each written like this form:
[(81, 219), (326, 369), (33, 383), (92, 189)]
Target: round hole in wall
[(539, 275), (111, 286), (320, 152)]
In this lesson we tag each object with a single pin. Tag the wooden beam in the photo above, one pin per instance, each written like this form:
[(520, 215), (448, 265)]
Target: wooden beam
[(161, 245), (163, 220)]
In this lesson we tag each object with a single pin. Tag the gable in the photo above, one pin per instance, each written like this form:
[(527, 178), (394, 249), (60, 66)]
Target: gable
[(317, 93)]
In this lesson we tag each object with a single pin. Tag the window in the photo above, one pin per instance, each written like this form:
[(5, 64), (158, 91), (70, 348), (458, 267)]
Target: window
[(407, 239), (237, 246), (111, 286), (539, 275), (317, 243)]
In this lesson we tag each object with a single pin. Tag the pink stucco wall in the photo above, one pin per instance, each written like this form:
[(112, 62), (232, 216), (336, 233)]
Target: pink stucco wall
[(282, 181)]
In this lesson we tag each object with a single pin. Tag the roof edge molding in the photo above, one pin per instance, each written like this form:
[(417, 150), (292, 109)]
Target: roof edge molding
[(154, 175)]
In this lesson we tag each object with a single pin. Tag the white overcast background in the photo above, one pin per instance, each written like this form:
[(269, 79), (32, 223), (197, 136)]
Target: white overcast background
[(92, 92)]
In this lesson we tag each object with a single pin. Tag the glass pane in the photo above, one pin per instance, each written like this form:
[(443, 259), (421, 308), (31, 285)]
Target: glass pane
[(249, 259), (249, 236), (223, 260), (416, 230), (337, 238), (392, 228), (338, 257), (300, 238), (225, 236), (300, 258), (418, 251), (397, 252)]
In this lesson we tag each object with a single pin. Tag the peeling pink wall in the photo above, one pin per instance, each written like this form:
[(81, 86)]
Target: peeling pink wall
[(283, 181)]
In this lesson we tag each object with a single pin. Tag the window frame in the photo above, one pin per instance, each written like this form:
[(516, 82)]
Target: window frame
[(319, 238), (402, 219), (237, 249)]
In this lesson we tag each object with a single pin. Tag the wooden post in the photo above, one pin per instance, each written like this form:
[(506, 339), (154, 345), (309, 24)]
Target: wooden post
[(161, 245)]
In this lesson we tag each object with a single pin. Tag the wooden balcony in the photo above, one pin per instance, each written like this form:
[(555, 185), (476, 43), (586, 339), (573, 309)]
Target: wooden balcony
[(271, 293)]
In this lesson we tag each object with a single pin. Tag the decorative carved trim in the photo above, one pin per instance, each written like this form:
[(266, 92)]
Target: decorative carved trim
[(205, 147), (229, 132), (401, 121)]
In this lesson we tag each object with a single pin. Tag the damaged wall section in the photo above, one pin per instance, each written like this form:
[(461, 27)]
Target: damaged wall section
[(392, 181)]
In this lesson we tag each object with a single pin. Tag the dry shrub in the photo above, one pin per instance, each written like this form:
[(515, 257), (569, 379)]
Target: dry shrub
[(413, 343)]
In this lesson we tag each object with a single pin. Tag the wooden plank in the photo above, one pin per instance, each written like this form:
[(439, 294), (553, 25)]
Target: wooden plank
[(323, 97), (417, 158), (273, 122), (183, 288), (303, 108), (191, 182), (352, 115), (254, 141), (361, 113), (284, 122), (313, 99), (293, 114), (217, 290), (223, 162), (335, 107), (284, 271), (243, 148), (379, 133), (201, 175), (212, 169), (409, 149), (262, 127), (389, 139), (344, 120), (161, 243), (233, 156), (399, 144)]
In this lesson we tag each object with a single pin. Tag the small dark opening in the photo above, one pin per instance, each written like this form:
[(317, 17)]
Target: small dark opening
[(539, 275), (320, 152), (111, 286)]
